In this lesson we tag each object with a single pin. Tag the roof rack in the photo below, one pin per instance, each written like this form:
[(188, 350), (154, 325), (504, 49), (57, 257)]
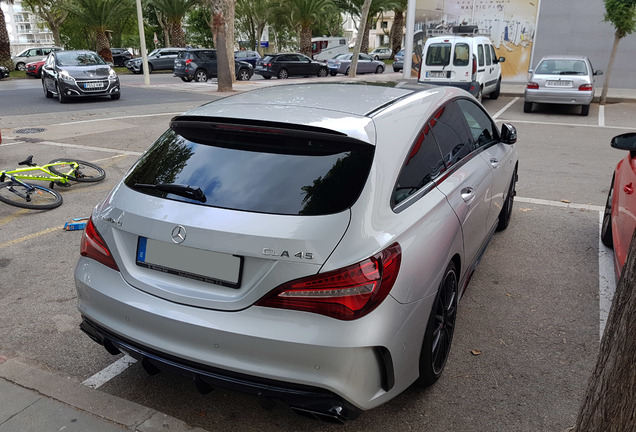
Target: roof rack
[(462, 30)]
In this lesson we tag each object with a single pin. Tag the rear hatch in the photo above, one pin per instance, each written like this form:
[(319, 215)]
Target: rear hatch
[(181, 62), (446, 59), (217, 214)]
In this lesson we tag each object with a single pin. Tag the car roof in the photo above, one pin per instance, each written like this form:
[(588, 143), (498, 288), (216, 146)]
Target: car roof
[(563, 57), (343, 107)]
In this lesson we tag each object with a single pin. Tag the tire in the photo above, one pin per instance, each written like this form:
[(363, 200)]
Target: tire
[(115, 96), (440, 328), (585, 110), (283, 74), (200, 75), (494, 95), (86, 172), (480, 95), (333, 73), (323, 72), (20, 66), (38, 198), (347, 71), (244, 75), (150, 68), (606, 226), (60, 95), (186, 79), (527, 107), (379, 70), (376, 58), (506, 212), (397, 69), (47, 93)]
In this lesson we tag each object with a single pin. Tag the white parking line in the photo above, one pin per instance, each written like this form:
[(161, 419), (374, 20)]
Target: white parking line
[(601, 115), (82, 147), (508, 105), (110, 372)]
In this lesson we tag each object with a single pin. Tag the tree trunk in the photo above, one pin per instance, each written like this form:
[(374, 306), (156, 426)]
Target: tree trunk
[(609, 401), (230, 15), (178, 35), (608, 72), (359, 46), (224, 77), (103, 46), (397, 32), (305, 40)]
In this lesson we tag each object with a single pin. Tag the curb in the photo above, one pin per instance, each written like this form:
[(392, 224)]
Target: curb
[(103, 407)]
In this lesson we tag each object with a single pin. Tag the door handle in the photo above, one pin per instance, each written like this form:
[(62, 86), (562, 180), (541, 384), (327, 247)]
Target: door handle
[(468, 194), (494, 162), (629, 189)]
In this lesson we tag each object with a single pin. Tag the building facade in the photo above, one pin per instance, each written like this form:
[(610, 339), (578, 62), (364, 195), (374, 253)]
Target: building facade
[(25, 29)]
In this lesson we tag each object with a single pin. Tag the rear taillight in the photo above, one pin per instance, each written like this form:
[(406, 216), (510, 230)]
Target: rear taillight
[(586, 87), (345, 294), (532, 85), (474, 67), (93, 246), (188, 61)]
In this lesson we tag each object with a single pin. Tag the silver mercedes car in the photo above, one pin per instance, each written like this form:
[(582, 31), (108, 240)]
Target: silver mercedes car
[(565, 80), (304, 243)]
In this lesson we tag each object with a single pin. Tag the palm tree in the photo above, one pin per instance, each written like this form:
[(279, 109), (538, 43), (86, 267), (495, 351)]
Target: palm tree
[(302, 14), (399, 10), (174, 11), (5, 47), (98, 16)]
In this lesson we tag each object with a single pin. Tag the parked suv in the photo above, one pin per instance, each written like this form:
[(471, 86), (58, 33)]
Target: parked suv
[(30, 55), (120, 56), (284, 65), (159, 59), (465, 59), (201, 64), (247, 56)]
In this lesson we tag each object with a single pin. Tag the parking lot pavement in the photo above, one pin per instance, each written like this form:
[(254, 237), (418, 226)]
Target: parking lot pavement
[(527, 331)]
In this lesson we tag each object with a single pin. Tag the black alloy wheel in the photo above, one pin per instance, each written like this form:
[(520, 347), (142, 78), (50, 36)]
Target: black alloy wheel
[(439, 331)]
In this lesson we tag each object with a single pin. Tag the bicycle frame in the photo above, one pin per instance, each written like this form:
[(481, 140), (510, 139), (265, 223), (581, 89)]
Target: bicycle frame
[(29, 173)]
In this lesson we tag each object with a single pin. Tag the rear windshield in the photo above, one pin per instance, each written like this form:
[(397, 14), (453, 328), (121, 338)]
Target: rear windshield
[(258, 172), (562, 67), (438, 54)]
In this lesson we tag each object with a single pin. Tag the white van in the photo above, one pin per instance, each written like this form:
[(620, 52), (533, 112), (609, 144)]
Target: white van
[(464, 58)]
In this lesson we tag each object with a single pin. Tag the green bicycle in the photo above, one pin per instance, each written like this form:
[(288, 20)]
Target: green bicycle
[(60, 172)]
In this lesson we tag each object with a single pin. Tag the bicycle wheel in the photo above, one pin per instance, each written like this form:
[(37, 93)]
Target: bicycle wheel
[(29, 196), (85, 171)]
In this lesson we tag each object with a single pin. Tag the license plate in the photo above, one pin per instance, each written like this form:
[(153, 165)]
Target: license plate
[(436, 74), (93, 85), (559, 83), (207, 266)]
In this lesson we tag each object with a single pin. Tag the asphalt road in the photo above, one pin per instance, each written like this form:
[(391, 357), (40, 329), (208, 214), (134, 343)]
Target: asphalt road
[(528, 326)]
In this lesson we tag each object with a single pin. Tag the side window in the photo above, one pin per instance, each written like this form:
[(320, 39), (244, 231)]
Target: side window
[(483, 130), (423, 164), (494, 53), (488, 57), (480, 54), (452, 135), (461, 56)]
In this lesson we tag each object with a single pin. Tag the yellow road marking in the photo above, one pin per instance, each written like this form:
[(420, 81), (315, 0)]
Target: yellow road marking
[(29, 237)]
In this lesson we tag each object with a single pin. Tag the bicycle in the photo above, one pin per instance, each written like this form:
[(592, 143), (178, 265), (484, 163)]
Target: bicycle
[(61, 172)]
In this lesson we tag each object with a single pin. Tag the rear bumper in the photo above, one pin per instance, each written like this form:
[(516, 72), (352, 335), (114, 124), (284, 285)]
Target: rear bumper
[(572, 97), (304, 400)]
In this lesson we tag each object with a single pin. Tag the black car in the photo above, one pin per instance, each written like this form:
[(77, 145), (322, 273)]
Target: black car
[(4, 72), (201, 64), (247, 56), (69, 74), (120, 56), (284, 65)]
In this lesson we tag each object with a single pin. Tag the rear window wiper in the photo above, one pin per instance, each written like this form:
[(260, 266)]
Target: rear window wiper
[(186, 191)]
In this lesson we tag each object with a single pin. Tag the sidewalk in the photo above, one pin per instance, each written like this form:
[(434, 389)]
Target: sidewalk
[(33, 400)]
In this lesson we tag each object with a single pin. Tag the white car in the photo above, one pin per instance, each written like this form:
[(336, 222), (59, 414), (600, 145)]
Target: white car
[(304, 243), (381, 53)]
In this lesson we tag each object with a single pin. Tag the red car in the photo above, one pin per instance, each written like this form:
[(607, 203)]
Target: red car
[(34, 69), (619, 220)]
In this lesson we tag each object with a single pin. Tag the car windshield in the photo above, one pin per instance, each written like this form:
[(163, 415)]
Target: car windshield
[(84, 58), (261, 172), (561, 67)]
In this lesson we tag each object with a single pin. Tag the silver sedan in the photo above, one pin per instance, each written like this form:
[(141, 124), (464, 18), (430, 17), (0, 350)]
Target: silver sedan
[(342, 63), (567, 80)]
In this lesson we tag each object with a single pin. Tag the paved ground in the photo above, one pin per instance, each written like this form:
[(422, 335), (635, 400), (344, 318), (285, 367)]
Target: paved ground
[(33, 399)]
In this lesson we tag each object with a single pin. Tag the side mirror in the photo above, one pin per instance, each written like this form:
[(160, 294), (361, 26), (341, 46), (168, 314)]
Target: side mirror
[(598, 72), (508, 133), (501, 59), (626, 141)]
